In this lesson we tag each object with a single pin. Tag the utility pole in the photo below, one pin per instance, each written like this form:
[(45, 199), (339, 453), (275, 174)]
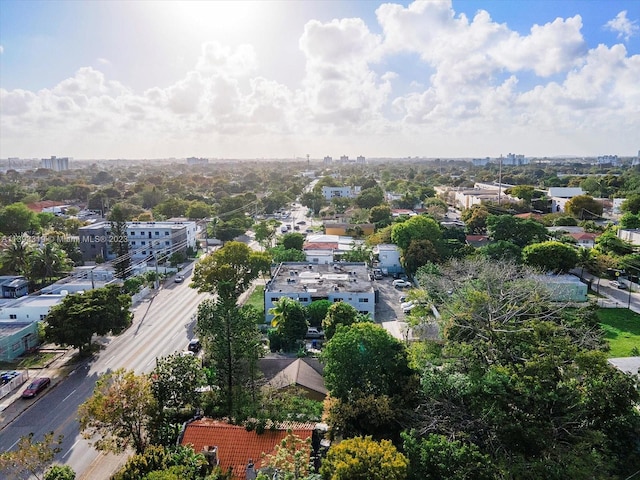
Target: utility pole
[(500, 181)]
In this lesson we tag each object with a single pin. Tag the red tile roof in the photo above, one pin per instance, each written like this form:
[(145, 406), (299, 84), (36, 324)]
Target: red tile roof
[(584, 236), (236, 445), (320, 246), (39, 206)]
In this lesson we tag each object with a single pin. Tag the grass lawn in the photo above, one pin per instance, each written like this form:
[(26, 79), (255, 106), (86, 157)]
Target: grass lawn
[(257, 298), (33, 360), (622, 330)]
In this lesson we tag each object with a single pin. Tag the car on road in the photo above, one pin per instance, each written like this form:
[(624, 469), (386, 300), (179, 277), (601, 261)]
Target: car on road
[(401, 283), (302, 222), (616, 284), (35, 387), (194, 345), (179, 278), (314, 332)]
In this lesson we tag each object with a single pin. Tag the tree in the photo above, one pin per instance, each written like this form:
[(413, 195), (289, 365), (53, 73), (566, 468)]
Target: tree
[(232, 344), (629, 221), (419, 227), (30, 458), (48, 261), (289, 319), (631, 204), (419, 253), (119, 241), (610, 243), (80, 315), (475, 219), (502, 250), (437, 458), (317, 310), (178, 461), (265, 233), (198, 209), (293, 241), (584, 207), (118, 413), (15, 258), (380, 215), (291, 458), (280, 254), (230, 270), (227, 231), (523, 192), (362, 458), (371, 385), (60, 472), (550, 256), (339, 313), (358, 253), (370, 197), (314, 201), (17, 219), (516, 230)]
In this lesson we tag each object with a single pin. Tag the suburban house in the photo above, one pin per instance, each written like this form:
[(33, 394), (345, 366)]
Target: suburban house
[(306, 282), (302, 373), (582, 238), (564, 288), (323, 248), (386, 257), (13, 286), (146, 239), (233, 447), (561, 195)]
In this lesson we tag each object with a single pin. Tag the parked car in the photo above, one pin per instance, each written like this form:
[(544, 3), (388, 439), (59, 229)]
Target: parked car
[(401, 284), (402, 299), (615, 283), (302, 222), (35, 387), (179, 278), (407, 304), (194, 345), (314, 332), (408, 308)]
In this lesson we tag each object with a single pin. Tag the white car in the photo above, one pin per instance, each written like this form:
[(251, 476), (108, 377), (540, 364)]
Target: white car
[(407, 304), (401, 284), (408, 308)]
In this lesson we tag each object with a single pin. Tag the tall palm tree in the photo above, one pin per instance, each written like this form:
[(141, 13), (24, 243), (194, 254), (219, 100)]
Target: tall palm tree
[(48, 261), (15, 257)]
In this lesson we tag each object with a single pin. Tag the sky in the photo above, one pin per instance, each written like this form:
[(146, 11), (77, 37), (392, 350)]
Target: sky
[(283, 79)]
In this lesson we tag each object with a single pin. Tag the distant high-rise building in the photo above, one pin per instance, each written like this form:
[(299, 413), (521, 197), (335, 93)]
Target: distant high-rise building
[(328, 159), (480, 162), (197, 161), (514, 160), (611, 160), (344, 158), (56, 164), (360, 159)]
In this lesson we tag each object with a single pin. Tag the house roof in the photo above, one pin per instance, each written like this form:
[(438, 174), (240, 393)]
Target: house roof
[(582, 236), (299, 372), (477, 240), (39, 206), (320, 246), (236, 445)]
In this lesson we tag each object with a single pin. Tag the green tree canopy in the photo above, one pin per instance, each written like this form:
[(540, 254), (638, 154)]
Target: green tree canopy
[(516, 230), (362, 458), (17, 219), (584, 207), (293, 240), (370, 197), (550, 256), (230, 270), (339, 313), (289, 319), (419, 227), (30, 458), (81, 315), (380, 215), (317, 310)]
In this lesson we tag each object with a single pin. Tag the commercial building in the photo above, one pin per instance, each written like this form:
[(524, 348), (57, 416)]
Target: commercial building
[(306, 282), (56, 164)]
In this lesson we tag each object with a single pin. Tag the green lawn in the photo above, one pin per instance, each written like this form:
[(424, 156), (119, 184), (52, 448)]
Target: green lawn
[(622, 330), (257, 298)]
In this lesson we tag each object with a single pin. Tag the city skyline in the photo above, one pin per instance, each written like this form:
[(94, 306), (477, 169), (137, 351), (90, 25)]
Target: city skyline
[(274, 79)]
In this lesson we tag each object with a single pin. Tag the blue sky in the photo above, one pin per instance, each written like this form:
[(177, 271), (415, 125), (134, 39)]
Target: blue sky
[(156, 79)]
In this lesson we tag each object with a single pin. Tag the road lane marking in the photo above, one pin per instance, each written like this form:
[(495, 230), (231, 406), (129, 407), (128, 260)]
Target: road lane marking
[(72, 447), (65, 398), (14, 444)]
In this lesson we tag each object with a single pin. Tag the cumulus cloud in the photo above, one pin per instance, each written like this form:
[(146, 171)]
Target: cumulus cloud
[(485, 83), (624, 27), (1, 49)]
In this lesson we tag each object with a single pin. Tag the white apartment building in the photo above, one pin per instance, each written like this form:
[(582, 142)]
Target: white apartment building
[(307, 282), (346, 192), (146, 239)]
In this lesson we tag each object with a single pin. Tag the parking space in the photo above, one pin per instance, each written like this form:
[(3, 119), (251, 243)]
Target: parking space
[(388, 307)]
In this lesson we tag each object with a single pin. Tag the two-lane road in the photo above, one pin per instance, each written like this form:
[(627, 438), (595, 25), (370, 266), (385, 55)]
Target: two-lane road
[(161, 326)]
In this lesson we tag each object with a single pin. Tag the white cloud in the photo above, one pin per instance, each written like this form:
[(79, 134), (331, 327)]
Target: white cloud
[(1, 49), (624, 27), (489, 89)]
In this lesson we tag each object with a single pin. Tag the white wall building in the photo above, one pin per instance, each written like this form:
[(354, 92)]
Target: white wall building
[(388, 257), (306, 282), (561, 195), (346, 192)]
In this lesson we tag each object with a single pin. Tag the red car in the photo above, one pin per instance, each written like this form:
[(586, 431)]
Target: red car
[(36, 387)]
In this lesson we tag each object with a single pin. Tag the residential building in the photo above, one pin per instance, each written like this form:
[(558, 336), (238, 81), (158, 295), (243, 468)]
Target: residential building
[(630, 235), (17, 338), (325, 248), (243, 451), (514, 160), (360, 159), (13, 286), (307, 282), (480, 162), (386, 256), (146, 239), (561, 195), (301, 373), (564, 288), (341, 228), (327, 160), (347, 192), (607, 161), (56, 164)]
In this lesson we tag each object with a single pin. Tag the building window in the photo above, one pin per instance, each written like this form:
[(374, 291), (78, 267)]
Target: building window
[(167, 242), (156, 233), (144, 252), (142, 234), (303, 299), (15, 347), (13, 316), (133, 242), (274, 299), (363, 300), (42, 317), (166, 234), (337, 300), (143, 242)]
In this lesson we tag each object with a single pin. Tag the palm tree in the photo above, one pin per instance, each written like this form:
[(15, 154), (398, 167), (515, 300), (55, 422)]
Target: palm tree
[(586, 259), (48, 261), (15, 257)]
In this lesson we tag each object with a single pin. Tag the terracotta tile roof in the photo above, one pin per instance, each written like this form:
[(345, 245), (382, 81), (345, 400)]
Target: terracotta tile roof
[(236, 445), (39, 206), (584, 236)]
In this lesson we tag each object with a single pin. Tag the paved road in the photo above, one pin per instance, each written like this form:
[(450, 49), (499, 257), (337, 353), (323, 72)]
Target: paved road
[(161, 326)]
